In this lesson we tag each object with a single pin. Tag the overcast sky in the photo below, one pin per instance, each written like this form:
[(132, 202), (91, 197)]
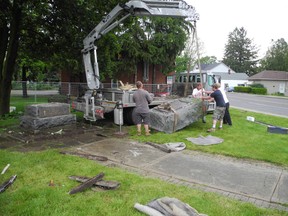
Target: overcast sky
[(263, 21)]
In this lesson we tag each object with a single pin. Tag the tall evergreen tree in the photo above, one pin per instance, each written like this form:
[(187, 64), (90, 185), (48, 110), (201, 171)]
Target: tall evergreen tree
[(240, 52), (276, 57)]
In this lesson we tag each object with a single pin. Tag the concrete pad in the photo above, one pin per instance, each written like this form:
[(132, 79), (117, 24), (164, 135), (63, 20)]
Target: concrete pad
[(281, 192), (124, 151), (230, 175), (250, 179)]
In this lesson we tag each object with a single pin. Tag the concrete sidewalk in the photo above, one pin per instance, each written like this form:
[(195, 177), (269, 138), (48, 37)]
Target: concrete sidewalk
[(263, 184)]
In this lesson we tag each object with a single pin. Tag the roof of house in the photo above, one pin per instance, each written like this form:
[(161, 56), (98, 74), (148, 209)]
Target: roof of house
[(233, 76), (212, 66), (209, 66), (270, 75)]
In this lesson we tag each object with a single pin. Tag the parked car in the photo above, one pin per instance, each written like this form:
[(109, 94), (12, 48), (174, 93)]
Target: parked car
[(231, 89)]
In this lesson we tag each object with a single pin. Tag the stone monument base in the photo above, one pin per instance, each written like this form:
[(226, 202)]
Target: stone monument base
[(40, 116)]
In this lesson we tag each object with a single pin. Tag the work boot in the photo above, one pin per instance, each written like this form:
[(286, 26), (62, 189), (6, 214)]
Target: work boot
[(147, 133), (211, 130)]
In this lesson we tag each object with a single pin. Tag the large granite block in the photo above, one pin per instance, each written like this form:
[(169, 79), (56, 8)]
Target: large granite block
[(47, 110), (41, 123), (176, 114), (40, 116)]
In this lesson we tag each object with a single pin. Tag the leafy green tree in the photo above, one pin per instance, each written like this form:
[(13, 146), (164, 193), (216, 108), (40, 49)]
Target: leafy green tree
[(208, 60), (47, 31), (240, 52), (276, 57), (52, 33), (11, 15)]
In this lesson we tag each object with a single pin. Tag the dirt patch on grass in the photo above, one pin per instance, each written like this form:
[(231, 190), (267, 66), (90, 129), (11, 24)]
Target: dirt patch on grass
[(17, 138)]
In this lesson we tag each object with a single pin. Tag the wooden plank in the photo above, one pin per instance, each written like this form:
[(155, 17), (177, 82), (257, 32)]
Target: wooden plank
[(88, 156), (87, 184), (108, 185), (7, 183)]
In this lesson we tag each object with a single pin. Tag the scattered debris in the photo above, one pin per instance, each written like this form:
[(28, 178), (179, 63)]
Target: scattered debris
[(15, 138), (250, 118), (7, 183), (87, 184), (101, 135), (58, 132), (178, 146), (167, 206), (147, 210), (107, 185), (270, 128), (127, 86), (51, 183), (88, 156), (161, 147), (208, 140), (5, 169), (278, 130)]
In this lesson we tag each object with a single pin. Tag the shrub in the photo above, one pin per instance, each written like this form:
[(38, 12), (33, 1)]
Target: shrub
[(278, 94), (242, 89), (257, 85), (261, 91)]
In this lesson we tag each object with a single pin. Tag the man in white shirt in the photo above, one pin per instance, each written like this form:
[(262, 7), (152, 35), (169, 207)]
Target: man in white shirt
[(198, 91), (227, 117)]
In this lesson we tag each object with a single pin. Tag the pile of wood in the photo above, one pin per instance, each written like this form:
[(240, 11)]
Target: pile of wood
[(94, 183), (127, 86)]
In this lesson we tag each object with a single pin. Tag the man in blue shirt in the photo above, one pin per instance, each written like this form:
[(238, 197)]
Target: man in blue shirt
[(219, 111)]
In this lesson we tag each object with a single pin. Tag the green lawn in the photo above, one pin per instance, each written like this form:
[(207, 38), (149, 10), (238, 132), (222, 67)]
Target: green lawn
[(31, 194), (245, 139)]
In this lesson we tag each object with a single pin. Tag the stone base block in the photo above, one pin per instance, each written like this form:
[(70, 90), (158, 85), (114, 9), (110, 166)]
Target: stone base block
[(47, 110), (279, 130), (41, 123), (176, 114)]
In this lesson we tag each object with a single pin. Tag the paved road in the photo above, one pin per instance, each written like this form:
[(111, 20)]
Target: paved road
[(271, 105), (35, 92)]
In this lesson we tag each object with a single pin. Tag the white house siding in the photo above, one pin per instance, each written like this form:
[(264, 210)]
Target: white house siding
[(221, 68), (274, 86), (233, 83)]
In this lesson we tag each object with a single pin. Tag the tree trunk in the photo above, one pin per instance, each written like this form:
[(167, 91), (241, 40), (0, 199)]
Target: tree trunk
[(9, 61), (187, 80), (153, 78), (24, 81)]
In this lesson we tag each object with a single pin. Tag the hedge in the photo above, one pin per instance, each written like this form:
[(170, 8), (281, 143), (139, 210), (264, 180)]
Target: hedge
[(261, 91), (249, 89), (242, 89)]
